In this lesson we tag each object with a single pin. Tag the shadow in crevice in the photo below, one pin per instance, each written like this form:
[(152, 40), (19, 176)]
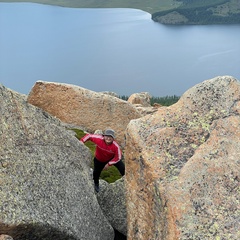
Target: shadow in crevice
[(119, 236), (34, 232)]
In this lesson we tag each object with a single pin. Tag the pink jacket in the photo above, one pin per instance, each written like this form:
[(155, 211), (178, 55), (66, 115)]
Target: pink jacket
[(104, 153)]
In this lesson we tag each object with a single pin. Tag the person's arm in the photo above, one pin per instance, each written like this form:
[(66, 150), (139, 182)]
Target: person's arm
[(117, 157), (86, 138), (91, 137)]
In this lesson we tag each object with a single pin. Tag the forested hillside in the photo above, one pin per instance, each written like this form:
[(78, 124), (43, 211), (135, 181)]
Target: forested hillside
[(201, 12), (165, 11)]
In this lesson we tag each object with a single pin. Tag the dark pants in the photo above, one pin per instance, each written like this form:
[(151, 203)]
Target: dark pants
[(98, 167)]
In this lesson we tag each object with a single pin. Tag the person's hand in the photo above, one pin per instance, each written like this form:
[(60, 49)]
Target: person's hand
[(106, 167)]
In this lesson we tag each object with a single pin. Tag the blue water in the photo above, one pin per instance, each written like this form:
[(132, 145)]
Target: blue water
[(119, 50)]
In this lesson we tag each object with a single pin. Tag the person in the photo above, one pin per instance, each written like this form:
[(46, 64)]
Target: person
[(107, 153)]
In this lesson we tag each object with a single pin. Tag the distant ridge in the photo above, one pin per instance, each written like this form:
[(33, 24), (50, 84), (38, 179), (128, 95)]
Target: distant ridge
[(201, 12), (165, 12)]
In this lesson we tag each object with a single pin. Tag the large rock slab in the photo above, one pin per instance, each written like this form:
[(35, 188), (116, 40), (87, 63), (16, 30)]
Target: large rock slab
[(45, 186), (142, 98), (112, 200), (82, 107), (183, 167)]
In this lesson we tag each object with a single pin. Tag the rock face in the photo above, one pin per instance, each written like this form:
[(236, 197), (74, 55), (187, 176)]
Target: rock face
[(145, 110), (5, 237), (141, 101), (183, 166), (142, 98), (45, 186), (82, 107), (112, 200), (110, 93)]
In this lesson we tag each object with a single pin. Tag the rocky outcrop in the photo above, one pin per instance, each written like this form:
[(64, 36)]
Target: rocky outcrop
[(113, 94), (5, 237), (112, 200), (142, 98), (141, 102), (172, 18), (46, 190), (145, 110), (183, 166), (84, 108)]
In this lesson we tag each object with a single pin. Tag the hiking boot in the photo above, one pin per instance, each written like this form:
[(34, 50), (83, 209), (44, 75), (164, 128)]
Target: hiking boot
[(96, 185)]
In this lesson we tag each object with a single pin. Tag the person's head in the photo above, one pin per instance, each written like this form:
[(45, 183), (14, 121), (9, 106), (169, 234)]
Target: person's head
[(109, 136)]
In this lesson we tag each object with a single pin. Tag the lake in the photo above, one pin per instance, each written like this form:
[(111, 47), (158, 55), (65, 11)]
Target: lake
[(118, 50)]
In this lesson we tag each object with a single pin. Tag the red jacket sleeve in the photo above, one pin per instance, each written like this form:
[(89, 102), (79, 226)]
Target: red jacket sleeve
[(92, 137), (118, 154)]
